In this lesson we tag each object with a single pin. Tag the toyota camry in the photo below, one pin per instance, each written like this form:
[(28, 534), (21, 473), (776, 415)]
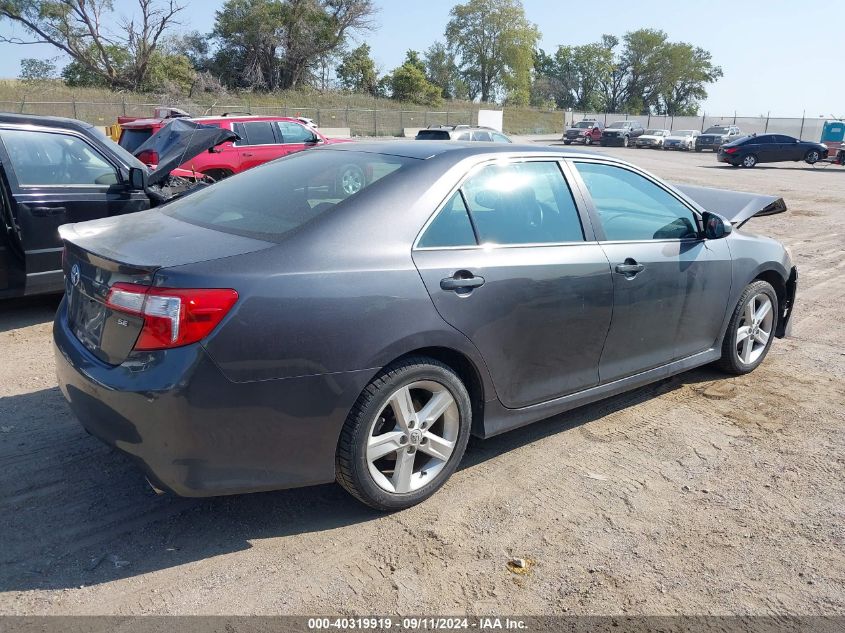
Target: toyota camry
[(275, 331)]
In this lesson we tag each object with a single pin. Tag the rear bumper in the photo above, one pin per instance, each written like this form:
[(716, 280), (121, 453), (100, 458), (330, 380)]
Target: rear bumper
[(195, 432)]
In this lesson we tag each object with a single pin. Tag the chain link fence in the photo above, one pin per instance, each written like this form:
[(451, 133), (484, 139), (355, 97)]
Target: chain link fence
[(388, 122)]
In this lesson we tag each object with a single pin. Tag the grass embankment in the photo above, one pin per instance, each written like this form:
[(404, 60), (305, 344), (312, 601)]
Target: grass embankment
[(365, 115)]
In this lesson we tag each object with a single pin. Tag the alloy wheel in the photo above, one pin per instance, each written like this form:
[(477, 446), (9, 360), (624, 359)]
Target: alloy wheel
[(413, 437), (812, 157), (352, 180), (749, 161), (755, 328)]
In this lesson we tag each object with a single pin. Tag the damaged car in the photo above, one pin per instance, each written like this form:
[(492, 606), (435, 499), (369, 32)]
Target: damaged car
[(255, 336), (57, 170)]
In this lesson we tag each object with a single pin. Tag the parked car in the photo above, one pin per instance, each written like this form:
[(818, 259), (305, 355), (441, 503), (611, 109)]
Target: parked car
[(260, 139), (461, 133), (254, 336), (651, 139), (587, 132), (59, 170), (621, 133), (714, 137), (770, 148), (680, 139)]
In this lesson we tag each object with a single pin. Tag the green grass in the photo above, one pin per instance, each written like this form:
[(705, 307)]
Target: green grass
[(329, 109)]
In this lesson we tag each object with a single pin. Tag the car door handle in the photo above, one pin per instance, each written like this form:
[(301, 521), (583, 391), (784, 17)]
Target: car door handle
[(246, 155), (629, 268), (43, 212), (461, 282)]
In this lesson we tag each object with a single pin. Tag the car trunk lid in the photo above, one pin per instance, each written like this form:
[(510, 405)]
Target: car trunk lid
[(130, 250)]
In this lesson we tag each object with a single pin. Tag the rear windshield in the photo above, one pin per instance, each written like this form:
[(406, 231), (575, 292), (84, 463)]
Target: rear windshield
[(617, 125), (132, 139), (584, 124), (683, 132), (433, 135), (270, 201)]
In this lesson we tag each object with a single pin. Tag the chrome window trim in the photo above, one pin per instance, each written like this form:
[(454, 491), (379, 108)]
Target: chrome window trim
[(489, 246)]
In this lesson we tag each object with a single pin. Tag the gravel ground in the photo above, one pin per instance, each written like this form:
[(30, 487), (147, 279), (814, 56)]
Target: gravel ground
[(702, 494)]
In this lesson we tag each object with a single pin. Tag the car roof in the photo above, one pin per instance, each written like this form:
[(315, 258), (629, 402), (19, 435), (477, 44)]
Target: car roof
[(46, 121), (458, 150)]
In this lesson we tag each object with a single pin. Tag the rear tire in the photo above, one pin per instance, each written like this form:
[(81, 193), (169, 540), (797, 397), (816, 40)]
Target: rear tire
[(392, 458), (748, 161), (751, 329)]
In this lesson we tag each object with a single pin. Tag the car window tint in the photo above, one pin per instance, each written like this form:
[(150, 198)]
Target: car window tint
[(781, 138), (272, 200), (632, 207), (294, 132), (764, 139), (432, 135), (481, 135), (451, 227), (499, 138), (463, 137), (45, 158), (522, 203), (259, 133)]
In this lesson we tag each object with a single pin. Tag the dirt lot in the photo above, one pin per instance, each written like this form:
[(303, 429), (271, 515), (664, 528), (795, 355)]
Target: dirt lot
[(700, 494)]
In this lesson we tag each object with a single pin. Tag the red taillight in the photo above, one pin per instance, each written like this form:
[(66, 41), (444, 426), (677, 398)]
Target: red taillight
[(172, 316), (148, 157), (731, 150)]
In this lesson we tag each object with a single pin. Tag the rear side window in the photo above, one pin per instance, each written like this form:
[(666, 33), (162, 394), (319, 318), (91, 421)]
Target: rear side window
[(451, 227), (500, 138), (132, 139), (481, 135), (272, 200), (522, 203), (632, 208), (258, 133)]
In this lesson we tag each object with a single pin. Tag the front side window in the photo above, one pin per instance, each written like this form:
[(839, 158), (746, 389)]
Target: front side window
[(295, 133), (632, 207), (276, 198), (451, 227), (522, 203), (49, 159), (499, 138)]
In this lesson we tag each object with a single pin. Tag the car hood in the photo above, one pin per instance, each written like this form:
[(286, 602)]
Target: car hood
[(673, 137), (736, 206), (180, 141), (650, 137)]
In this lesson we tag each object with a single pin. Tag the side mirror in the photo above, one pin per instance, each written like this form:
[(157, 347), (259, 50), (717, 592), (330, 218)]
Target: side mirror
[(314, 140), (137, 179), (715, 226), (213, 150)]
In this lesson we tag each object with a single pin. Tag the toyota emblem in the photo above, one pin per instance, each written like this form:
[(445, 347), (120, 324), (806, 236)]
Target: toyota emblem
[(74, 274)]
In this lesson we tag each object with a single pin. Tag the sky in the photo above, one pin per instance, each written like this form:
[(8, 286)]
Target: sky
[(778, 56)]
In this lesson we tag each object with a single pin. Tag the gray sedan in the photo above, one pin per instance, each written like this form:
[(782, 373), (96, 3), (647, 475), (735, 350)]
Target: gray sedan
[(274, 331)]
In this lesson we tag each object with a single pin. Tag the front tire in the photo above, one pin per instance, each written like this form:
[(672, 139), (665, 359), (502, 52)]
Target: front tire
[(812, 157), (751, 329), (405, 435), (624, 141), (350, 180), (588, 140), (567, 142)]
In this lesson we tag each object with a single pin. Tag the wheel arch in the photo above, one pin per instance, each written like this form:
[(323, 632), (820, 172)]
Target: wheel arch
[(785, 287), (467, 370)]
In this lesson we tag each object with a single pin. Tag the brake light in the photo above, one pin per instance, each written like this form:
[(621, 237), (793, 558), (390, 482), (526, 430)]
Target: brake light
[(730, 150), (148, 157), (172, 316)]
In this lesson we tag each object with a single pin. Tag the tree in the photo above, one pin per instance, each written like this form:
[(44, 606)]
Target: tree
[(408, 83), (278, 43), (495, 44), (612, 85), (36, 70), (357, 71), (117, 58), (642, 57), (573, 76), (442, 71), (686, 70)]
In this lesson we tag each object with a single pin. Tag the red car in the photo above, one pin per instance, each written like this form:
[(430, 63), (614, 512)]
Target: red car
[(263, 138), (587, 132)]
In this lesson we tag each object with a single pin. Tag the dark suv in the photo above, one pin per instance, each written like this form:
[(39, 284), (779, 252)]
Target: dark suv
[(461, 133), (621, 133), (716, 136)]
